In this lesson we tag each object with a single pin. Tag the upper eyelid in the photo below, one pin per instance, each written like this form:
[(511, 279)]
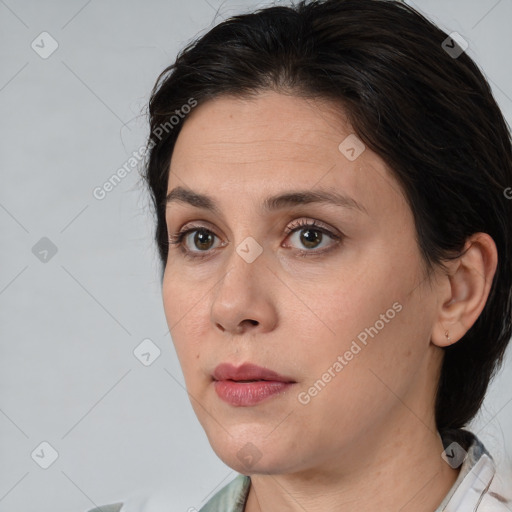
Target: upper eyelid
[(307, 222), (303, 222)]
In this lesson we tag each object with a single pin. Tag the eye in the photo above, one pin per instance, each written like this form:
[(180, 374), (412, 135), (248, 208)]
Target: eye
[(311, 234), (196, 236)]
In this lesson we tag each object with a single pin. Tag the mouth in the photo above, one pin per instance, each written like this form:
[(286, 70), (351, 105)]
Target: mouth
[(248, 372), (249, 384)]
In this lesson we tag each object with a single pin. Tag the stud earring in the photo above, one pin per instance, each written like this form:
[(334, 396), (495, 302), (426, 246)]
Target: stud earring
[(447, 334)]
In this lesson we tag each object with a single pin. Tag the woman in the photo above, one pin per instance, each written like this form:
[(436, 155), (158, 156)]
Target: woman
[(331, 187)]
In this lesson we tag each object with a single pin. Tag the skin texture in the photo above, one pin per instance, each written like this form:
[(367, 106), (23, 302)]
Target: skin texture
[(369, 436)]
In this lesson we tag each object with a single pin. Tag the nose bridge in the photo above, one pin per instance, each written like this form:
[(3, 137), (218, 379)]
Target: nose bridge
[(246, 262), (240, 294)]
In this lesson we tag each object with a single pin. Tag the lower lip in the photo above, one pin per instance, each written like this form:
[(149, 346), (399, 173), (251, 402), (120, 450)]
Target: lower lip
[(244, 394)]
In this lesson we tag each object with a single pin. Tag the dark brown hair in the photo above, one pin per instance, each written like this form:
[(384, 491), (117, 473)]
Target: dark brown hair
[(428, 113)]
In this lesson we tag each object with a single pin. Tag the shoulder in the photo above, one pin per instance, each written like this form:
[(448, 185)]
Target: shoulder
[(498, 497), (231, 498), (112, 507), (494, 502), (479, 487)]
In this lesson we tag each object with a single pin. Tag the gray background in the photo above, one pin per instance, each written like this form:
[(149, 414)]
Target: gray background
[(69, 325)]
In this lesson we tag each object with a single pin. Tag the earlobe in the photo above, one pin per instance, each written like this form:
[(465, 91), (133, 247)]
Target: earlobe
[(464, 289)]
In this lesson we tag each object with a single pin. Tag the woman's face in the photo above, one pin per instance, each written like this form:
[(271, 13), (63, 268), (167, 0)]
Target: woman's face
[(342, 310)]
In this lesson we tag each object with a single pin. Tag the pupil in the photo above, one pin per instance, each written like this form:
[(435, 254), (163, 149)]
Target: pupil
[(199, 239), (311, 242)]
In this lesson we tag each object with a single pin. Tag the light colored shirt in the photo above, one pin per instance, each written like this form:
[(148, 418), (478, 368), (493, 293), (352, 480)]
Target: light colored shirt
[(472, 491)]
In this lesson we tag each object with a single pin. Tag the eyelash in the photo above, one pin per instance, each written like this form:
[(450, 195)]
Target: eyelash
[(176, 239)]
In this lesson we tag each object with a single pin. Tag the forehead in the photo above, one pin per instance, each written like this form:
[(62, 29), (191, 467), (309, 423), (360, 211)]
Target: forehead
[(230, 146), (235, 131)]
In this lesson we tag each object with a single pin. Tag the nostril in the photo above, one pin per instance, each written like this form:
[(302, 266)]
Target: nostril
[(243, 324)]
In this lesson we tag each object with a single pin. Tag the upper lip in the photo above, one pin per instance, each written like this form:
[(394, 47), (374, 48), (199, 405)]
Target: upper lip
[(247, 371)]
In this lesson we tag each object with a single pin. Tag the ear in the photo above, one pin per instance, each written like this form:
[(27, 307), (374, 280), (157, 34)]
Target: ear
[(463, 291)]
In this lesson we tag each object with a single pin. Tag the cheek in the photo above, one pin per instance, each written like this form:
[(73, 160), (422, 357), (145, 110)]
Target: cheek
[(355, 299), (367, 311), (383, 352), (181, 298), (182, 308)]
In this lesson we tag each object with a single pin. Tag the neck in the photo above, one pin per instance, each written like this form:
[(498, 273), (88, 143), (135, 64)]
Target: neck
[(403, 471)]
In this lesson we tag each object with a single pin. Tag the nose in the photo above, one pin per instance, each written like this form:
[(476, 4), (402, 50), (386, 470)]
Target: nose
[(244, 300)]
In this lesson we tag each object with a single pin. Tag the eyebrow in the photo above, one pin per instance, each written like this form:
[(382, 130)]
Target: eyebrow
[(272, 203)]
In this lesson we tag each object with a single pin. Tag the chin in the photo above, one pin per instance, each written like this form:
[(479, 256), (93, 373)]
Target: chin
[(253, 451), (251, 465)]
